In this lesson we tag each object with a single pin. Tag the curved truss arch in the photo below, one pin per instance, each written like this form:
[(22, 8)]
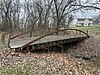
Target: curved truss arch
[(65, 32)]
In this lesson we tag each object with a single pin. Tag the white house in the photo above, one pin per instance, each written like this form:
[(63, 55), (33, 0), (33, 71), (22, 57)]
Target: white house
[(84, 22)]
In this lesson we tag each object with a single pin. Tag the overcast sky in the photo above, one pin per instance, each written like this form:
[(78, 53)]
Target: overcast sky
[(85, 14), (90, 13)]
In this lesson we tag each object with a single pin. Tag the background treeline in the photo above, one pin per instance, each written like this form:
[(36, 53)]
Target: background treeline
[(23, 15)]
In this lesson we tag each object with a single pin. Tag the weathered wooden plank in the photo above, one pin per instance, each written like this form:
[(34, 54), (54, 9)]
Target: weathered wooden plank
[(17, 43)]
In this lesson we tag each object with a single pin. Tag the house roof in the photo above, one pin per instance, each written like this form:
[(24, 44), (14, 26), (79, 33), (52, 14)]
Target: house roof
[(81, 19)]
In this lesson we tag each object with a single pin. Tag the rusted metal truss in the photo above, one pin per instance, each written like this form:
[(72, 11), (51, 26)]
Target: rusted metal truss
[(66, 32)]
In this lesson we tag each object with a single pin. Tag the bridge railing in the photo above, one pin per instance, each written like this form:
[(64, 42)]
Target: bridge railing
[(32, 33), (41, 34)]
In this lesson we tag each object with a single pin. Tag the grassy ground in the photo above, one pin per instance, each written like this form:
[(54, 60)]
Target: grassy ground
[(91, 30), (11, 71), (96, 27)]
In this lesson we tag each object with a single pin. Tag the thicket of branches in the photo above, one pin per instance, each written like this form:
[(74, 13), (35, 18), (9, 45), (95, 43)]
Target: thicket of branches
[(19, 15)]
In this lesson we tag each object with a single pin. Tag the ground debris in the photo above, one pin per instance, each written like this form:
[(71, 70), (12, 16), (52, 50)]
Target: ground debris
[(79, 60), (89, 48)]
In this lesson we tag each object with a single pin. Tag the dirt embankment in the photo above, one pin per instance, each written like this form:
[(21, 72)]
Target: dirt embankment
[(88, 48)]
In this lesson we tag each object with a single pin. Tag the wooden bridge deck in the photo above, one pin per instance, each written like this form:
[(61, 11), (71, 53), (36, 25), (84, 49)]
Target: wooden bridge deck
[(17, 43), (54, 38)]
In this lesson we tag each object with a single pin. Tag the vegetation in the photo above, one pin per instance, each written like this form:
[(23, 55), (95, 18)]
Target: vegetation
[(23, 15), (95, 27), (11, 71)]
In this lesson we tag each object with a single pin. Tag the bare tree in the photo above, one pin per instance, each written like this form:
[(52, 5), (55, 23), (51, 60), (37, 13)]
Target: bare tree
[(10, 13), (36, 14), (6, 14)]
